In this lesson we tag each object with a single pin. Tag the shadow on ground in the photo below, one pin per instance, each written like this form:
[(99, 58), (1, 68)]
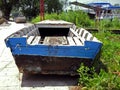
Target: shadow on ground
[(48, 80)]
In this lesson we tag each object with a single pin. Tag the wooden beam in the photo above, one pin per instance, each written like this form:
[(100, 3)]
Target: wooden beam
[(76, 34), (77, 41), (70, 41), (30, 39), (36, 40)]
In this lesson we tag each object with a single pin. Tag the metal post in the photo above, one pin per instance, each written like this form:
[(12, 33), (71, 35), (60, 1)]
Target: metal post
[(41, 10)]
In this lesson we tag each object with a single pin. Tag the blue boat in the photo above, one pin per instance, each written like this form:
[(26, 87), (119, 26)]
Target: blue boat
[(53, 47)]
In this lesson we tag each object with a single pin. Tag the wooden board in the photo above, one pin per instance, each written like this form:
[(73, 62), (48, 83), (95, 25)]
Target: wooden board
[(77, 41), (55, 40), (30, 39), (76, 34), (70, 41), (36, 40)]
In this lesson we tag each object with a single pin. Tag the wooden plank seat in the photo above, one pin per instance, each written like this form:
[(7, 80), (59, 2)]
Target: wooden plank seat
[(85, 34), (36, 40), (77, 41), (76, 34), (70, 41), (74, 41), (30, 39)]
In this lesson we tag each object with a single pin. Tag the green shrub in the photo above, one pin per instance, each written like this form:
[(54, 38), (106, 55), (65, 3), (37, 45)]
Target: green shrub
[(110, 57), (110, 51), (77, 17), (81, 19), (102, 81)]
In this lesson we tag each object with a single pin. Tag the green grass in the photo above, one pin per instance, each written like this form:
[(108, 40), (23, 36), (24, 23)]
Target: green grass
[(77, 17), (110, 58), (81, 19), (110, 50), (109, 25)]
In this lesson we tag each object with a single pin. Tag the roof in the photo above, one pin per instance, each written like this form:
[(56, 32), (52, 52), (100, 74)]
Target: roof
[(101, 5), (104, 5)]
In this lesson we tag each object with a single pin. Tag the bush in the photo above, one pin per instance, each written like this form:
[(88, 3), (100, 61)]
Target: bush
[(110, 57), (102, 81), (77, 17)]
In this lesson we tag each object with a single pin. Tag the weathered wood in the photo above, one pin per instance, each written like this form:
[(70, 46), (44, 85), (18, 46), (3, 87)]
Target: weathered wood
[(85, 34), (74, 27), (70, 41), (80, 30), (77, 30), (36, 40), (37, 32), (34, 32), (77, 41), (95, 39), (89, 37), (56, 40), (24, 31), (76, 34), (82, 33), (30, 39), (25, 36)]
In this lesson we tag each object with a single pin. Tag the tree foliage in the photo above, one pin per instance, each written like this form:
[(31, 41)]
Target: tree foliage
[(53, 6), (30, 8), (6, 7)]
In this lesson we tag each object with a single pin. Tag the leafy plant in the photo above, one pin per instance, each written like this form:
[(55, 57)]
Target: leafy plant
[(81, 19), (102, 81), (77, 17)]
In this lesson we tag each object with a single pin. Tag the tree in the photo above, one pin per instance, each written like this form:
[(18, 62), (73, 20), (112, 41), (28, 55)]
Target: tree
[(30, 8), (53, 6), (6, 7)]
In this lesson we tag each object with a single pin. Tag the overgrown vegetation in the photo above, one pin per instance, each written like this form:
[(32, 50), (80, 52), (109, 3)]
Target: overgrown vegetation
[(109, 25), (107, 79), (110, 57), (90, 80), (81, 19)]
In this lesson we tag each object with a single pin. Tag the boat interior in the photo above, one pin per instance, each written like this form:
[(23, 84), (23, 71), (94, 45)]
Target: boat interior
[(55, 35)]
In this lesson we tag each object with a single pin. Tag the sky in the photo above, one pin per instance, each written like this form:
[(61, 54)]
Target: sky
[(89, 1)]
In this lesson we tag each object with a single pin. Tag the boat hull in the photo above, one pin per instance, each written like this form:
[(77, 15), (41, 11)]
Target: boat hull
[(49, 65), (53, 47)]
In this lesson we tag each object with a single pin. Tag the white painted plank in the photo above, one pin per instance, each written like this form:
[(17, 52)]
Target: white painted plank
[(30, 39), (89, 37), (76, 34), (36, 40), (80, 30), (95, 39), (70, 41), (77, 30), (84, 34), (77, 41)]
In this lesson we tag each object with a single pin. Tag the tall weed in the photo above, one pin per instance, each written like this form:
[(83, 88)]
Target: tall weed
[(93, 81)]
